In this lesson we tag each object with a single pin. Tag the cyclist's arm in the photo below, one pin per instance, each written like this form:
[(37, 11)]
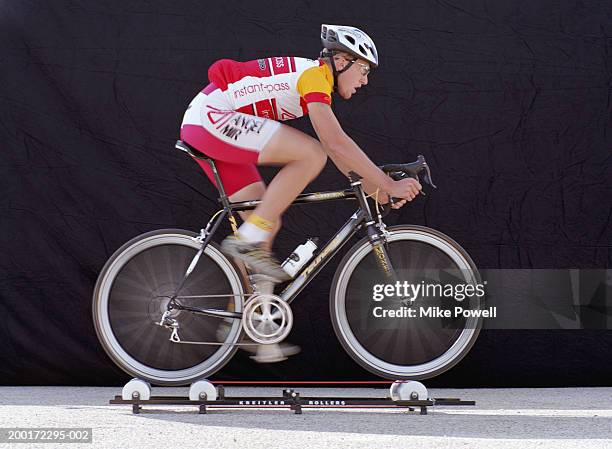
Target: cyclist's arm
[(343, 151), (368, 187)]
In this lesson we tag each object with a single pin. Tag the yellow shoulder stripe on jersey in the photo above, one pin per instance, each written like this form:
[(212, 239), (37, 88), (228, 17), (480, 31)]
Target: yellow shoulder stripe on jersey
[(315, 84)]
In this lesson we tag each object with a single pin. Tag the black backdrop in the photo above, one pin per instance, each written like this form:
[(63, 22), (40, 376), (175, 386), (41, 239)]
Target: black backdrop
[(509, 101)]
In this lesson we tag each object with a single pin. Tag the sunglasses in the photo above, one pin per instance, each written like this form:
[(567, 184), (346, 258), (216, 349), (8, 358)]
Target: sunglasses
[(365, 69)]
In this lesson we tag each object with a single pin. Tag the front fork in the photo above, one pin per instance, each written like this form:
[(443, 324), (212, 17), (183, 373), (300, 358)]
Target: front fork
[(378, 240), (378, 236), (375, 229)]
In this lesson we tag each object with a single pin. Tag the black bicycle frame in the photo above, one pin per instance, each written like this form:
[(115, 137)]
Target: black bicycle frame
[(361, 217)]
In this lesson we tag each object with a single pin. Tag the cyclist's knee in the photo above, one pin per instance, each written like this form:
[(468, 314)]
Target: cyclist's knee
[(321, 158), (317, 158)]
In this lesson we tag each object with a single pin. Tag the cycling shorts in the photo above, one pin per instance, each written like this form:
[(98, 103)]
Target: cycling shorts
[(231, 138)]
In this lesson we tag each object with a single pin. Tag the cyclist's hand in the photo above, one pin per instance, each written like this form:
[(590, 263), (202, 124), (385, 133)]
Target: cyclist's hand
[(398, 204), (406, 189), (383, 198)]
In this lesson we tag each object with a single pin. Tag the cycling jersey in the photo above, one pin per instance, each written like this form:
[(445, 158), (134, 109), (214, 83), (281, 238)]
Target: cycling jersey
[(276, 88), (233, 118)]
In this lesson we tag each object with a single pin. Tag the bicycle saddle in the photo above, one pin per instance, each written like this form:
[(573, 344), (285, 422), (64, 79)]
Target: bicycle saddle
[(193, 152)]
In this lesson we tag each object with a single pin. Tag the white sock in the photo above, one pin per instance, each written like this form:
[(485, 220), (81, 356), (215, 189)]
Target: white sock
[(255, 229)]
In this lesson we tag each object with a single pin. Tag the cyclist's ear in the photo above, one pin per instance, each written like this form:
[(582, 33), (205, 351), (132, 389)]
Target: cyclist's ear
[(342, 59)]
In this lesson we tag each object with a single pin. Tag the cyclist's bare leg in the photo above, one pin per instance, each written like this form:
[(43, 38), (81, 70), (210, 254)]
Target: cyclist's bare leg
[(262, 353), (302, 158), (255, 191)]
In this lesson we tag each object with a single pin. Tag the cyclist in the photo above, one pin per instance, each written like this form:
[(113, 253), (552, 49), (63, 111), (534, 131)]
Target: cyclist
[(235, 121)]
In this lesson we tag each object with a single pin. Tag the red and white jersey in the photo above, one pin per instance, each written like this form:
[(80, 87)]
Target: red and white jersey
[(233, 118), (277, 88)]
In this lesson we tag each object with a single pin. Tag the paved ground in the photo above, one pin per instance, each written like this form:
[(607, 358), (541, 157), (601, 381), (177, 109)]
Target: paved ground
[(502, 418)]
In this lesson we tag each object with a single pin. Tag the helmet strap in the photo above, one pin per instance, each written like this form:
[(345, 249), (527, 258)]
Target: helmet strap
[(325, 53)]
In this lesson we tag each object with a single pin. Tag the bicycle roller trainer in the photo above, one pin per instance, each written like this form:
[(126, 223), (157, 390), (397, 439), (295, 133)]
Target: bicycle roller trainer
[(409, 395)]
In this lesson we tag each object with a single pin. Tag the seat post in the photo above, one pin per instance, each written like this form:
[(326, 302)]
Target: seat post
[(223, 197)]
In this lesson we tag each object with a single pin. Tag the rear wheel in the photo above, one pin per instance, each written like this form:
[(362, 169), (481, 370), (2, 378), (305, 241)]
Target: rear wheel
[(404, 347), (133, 290)]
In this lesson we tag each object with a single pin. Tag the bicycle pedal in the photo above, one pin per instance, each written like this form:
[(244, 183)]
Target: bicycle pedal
[(275, 353)]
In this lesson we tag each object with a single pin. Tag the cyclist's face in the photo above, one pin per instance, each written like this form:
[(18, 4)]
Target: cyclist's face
[(355, 77)]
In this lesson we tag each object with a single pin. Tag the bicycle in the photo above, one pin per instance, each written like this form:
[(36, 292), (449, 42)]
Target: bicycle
[(148, 287)]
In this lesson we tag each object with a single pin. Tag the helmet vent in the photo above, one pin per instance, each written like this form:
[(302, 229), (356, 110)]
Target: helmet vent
[(362, 50), (351, 39)]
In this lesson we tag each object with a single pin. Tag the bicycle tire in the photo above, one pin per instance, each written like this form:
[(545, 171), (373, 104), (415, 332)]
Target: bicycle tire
[(414, 358), (129, 299)]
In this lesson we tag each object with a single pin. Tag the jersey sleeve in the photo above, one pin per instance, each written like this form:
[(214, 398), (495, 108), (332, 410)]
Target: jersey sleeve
[(313, 87)]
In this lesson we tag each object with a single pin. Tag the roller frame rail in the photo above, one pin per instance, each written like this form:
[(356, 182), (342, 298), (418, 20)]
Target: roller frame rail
[(290, 399)]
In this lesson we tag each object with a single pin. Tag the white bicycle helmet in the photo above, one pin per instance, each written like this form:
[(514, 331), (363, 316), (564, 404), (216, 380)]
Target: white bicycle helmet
[(351, 40)]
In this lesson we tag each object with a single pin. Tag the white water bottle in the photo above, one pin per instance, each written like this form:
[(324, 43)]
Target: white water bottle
[(298, 258)]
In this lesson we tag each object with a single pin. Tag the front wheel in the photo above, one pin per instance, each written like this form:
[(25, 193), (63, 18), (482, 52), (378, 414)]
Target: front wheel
[(374, 325)]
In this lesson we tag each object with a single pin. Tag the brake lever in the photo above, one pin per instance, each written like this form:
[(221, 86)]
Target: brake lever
[(420, 166), (402, 175), (427, 176), (413, 171)]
